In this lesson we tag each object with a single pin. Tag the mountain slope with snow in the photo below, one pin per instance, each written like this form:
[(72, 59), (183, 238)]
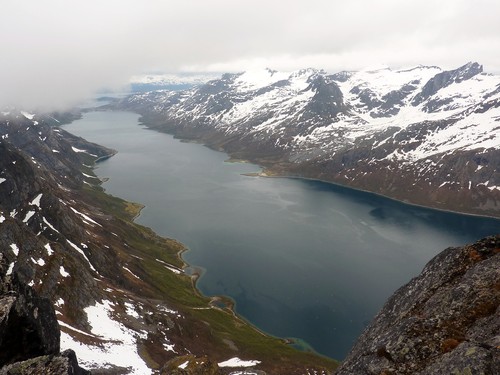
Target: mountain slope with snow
[(421, 135), (122, 300)]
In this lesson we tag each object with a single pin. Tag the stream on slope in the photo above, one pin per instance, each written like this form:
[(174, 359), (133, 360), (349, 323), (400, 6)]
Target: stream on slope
[(300, 258)]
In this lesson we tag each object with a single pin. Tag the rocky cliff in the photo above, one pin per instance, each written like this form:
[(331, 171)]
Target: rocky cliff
[(29, 331), (445, 321)]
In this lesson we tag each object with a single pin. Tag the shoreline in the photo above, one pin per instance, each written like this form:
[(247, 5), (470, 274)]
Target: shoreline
[(268, 171), (277, 175)]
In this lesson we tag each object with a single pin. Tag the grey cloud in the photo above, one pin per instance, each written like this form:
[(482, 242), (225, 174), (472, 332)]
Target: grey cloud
[(56, 52)]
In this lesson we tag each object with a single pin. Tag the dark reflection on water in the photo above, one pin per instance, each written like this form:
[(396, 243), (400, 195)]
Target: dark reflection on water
[(300, 258)]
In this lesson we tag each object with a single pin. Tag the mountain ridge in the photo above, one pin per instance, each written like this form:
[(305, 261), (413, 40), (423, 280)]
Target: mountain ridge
[(437, 131)]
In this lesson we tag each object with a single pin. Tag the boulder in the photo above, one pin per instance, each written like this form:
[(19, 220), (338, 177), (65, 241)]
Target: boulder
[(446, 320)]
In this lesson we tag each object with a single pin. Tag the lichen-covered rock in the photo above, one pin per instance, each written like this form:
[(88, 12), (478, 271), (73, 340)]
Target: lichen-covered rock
[(28, 325), (445, 321), (62, 364)]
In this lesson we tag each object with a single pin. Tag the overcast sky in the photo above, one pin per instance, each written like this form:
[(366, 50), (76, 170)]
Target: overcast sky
[(56, 52)]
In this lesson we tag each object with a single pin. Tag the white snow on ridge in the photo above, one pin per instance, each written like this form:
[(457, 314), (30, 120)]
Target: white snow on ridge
[(385, 80), (119, 347), (2, 180), (258, 78)]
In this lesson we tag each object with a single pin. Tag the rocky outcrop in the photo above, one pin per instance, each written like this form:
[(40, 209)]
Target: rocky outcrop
[(28, 324), (29, 331), (65, 363), (445, 321)]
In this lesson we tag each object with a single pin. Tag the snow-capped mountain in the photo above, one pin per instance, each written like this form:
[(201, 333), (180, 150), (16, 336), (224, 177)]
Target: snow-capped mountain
[(422, 134), (166, 81)]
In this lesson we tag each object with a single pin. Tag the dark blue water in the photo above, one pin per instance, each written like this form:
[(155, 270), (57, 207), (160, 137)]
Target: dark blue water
[(301, 258)]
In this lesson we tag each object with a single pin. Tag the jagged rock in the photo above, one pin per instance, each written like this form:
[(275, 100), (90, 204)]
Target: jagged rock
[(28, 324), (446, 320), (65, 363)]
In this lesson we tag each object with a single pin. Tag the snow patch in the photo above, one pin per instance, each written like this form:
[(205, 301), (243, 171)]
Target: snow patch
[(2, 180), (9, 270), (119, 347), (130, 310), (49, 249), (236, 362), (36, 201), (169, 267), (28, 216), (63, 272), (14, 249), (40, 262)]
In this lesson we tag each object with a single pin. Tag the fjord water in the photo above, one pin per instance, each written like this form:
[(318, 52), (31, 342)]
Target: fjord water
[(301, 258)]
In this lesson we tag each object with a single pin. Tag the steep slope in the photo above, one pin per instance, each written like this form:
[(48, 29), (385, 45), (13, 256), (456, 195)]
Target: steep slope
[(121, 299), (445, 321), (420, 135)]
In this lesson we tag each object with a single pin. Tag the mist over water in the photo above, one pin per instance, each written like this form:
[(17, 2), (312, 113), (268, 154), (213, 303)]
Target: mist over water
[(300, 258)]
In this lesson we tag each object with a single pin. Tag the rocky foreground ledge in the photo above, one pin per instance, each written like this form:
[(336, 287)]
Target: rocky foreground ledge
[(29, 331), (445, 321)]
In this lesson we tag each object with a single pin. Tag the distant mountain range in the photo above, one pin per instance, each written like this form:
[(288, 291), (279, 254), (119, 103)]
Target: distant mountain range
[(421, 135), (165, 81)]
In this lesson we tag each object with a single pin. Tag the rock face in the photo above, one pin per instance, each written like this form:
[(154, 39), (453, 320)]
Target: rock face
[(28, 324), (422, 135), (29, 331), (445, 321)]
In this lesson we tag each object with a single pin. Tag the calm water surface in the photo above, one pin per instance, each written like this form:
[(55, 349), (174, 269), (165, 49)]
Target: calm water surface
[(301, 258)]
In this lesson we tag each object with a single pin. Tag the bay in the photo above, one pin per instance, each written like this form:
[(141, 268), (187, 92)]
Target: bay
[(300, 258)]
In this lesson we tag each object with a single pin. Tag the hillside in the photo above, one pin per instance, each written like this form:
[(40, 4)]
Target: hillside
[(121, 299)]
